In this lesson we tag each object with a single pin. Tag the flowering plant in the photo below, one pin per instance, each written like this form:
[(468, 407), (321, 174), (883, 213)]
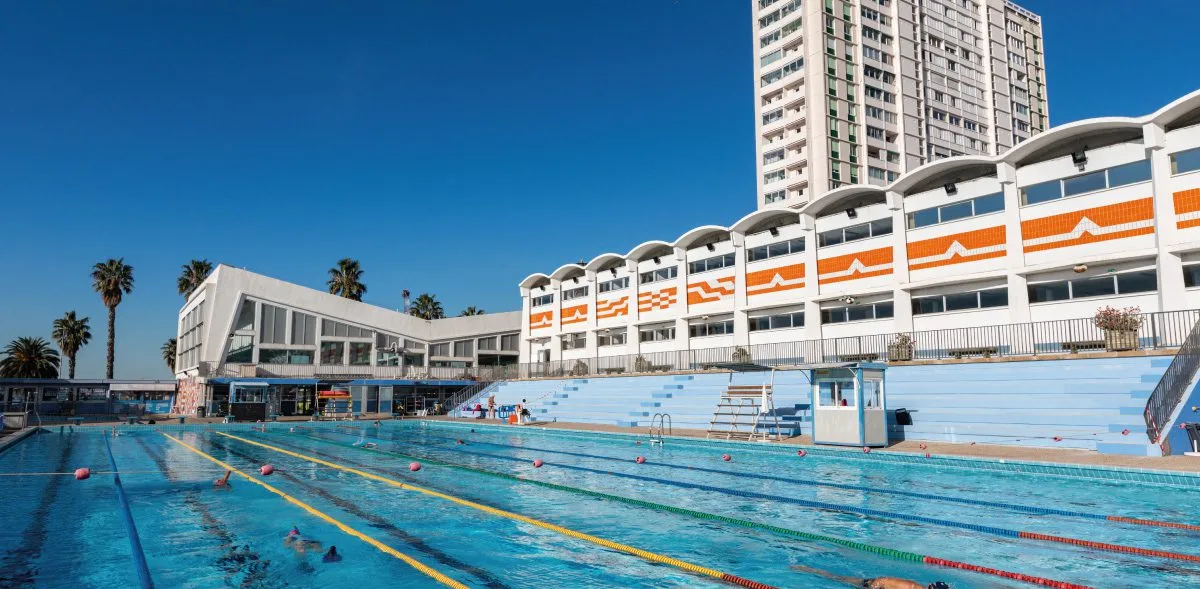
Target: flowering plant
[(1114, 319)]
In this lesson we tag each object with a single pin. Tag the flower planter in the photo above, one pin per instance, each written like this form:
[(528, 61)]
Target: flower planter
[(1120, 340), (900, 353)]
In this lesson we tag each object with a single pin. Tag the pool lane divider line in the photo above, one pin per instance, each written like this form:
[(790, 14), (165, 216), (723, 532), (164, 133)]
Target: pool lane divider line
[(644, 554), (795, 534), (410, 561), (966, 501), (135, 542), (984, 529)]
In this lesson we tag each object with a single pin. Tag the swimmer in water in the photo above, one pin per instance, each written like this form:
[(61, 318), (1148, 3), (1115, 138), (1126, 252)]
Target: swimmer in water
[(872, 583), (223, 482), (332, 555), (299, 543)]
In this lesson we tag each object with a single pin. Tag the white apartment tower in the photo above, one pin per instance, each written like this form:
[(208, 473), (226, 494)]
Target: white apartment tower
[(860, 91)]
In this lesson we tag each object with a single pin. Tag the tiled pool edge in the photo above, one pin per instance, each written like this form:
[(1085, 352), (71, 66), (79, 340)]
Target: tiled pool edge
[(16, 438), (1092, 472)]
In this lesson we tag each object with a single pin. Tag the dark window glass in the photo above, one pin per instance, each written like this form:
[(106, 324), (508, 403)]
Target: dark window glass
[(1140, 281), (1048, 291), (1191, 275), (833, 315), (881, 227), (781, 321), (962, 300), (859, 313), (923, 218), (758, 253), (796, 245), (1131, 173), (1084, 183), (1043, 192), (798, 319), (831, 237), (884, 310), (1093, 287), (1185, 161), (856, 232), (270, 356), (927, 305), (778, 249), (995, 297), (989, 204), (960, 210)]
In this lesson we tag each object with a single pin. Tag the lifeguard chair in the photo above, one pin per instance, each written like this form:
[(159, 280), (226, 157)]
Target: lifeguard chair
[(746, 412)]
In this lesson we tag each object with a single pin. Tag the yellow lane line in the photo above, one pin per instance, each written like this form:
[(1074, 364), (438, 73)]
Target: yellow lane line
[(410, 561)]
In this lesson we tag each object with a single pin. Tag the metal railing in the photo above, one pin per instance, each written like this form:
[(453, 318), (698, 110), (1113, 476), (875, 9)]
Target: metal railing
[(1159, 330), (1173, 386), (462, 396)]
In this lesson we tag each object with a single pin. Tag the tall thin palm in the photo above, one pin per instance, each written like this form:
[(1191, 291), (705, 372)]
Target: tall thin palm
[(168, 353), (71, 333), (427, 307), (193, 275), (29, 357), (113, 279), (472, 310), (345, 280)]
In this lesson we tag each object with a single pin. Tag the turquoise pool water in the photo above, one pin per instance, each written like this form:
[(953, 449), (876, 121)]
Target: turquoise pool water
[(57, 531)]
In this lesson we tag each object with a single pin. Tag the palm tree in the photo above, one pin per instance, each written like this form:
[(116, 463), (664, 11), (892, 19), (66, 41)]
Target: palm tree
[(472, 310), (193, 275), (29, 357), (71, 334), (427, 307), (345, 280), (168, 353), (112, 279)]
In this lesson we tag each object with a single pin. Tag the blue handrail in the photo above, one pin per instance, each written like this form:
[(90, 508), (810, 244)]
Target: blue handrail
[(139, 557)]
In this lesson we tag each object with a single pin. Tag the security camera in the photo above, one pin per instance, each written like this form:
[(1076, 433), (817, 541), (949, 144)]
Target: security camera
[(1080, 268), (704, 317), (848, 300)]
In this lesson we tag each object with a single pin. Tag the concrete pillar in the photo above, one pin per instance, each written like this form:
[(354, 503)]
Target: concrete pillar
[(632, 345), (681, 307), (1018, 291), (812, 290), (741, 327), (1169, 266), (901, 296)]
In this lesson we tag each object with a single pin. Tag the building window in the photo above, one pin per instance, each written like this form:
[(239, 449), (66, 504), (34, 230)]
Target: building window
[(574, 341), (275, 356), (854, 232), (614, 284), (777, 321), (486, 343), (881, 310), (614, 337), (575, 293), (510, 342), (779, 248), (961, 301), (304, 329), (713, 263), (661, 333), (442, 349), (1107, 285), (274, 324), (1191, 275), (658, 275), (245, 317), (331, 328), (332, 352), (464, 348), (775, 196), (1185, 161), (1131, 173), (241, 349), (360, 353), (721, 327), (545, 299), (974, 207)]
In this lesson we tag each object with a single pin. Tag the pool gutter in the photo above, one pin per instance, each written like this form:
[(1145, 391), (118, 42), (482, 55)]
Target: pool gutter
[(15, 438)]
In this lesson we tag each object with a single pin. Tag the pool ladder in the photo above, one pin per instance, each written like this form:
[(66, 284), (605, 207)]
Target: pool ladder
[(660, 425)]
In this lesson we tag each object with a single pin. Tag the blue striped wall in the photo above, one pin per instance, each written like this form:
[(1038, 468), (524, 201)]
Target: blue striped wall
[(1087, 402)]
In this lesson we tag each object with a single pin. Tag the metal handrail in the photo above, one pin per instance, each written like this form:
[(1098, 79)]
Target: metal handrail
[(1172, 387), (664, 427)]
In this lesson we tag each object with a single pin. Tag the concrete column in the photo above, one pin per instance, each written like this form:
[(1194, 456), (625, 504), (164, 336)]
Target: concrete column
[(1171, 296), (524, 347), (741, 327), (632, 345), (901, 296), (258, 329), (681, 281), (590, 324), (812, 290), (1018, 292)]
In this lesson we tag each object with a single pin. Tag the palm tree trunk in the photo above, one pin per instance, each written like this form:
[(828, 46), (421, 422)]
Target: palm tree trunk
[(112, 339), (71, 359)]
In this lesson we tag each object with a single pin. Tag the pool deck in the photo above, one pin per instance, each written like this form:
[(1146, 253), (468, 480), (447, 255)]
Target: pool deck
[(1052, 455)]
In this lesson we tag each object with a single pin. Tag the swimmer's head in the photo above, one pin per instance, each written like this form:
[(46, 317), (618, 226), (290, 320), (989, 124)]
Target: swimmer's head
[(294, 532), (939, 585)]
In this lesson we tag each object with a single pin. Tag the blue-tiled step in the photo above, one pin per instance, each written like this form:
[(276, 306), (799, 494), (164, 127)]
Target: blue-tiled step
[(661, 395), (1161, 362), (639, 414), (1141, 395), (684, 377), (672, 387), (649, 404), (1128, 448), (579, 381), (570, 388), (627, 423), (560, 395)]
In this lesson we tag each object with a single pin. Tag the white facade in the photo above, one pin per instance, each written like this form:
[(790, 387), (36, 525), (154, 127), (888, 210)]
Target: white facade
[(241, 319), (1094, 213), (860, 91)]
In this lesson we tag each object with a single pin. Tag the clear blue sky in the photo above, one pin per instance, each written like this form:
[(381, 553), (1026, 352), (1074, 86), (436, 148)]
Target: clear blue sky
[(428, 139)]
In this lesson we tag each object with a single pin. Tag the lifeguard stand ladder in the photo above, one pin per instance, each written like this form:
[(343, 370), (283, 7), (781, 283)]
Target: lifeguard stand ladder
[(744, 409)]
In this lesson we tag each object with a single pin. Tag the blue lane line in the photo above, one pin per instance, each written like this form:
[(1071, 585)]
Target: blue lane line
[(751, 495), (139, 557), (978, 502)]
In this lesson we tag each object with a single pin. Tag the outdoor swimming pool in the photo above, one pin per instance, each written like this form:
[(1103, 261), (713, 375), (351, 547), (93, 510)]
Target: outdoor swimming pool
[(482, 515)]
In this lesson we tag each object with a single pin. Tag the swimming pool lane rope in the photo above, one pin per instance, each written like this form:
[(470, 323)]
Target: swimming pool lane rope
[(644, 554), (790, 533), (1033, 510), (135, 542), (984, 529), (410, 561)]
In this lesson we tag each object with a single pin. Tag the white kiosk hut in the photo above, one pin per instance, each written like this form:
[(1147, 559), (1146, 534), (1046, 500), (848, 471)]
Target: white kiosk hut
[(849, 404)]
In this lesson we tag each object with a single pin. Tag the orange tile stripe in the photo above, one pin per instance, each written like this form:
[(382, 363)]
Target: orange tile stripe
[(541, 319), (711, 290), (1115, 221), (876, 262), (576, 314), (775, 279), (1187, 208), (612, 308), (657, 300), (957, 248)]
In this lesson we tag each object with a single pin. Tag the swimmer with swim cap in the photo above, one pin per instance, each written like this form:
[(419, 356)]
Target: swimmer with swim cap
[(223, 482), (872, 583), (332, 555)]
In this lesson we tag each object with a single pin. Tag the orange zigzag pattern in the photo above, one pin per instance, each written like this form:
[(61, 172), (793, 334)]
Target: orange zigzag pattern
[(612, 308), (876, 262), (968, 246), (775, 279), (576, 314), (657, 300), (541, 319), (710, 291)]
